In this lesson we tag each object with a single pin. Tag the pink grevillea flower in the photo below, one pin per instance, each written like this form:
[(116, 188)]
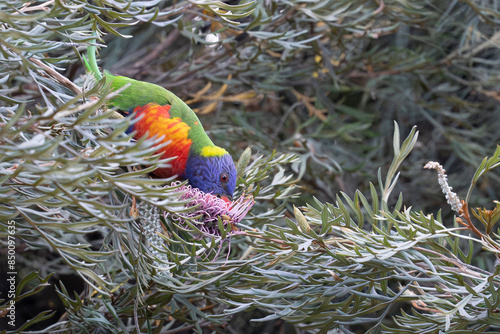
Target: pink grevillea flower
[(207, 209)]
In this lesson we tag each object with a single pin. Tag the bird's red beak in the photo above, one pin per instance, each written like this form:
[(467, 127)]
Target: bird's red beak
[(225, 199)]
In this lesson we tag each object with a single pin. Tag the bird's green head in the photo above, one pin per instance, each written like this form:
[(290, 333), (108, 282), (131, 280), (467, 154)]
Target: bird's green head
[(212, 171)]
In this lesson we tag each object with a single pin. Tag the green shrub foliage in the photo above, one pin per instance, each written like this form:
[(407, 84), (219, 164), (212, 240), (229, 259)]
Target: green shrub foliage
[(340, 87)]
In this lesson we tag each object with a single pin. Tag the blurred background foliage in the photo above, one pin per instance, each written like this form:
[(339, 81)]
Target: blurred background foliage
[(324, 80)]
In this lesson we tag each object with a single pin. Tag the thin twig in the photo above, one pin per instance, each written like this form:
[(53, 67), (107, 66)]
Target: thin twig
[(464, 214), (136, 318), (174, 34), (59, 77), (42, 6)]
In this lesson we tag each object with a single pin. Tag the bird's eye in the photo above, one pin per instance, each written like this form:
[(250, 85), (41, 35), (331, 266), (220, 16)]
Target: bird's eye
[(224, 178)]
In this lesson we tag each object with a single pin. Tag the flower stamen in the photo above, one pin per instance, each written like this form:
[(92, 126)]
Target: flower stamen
[(208, 208), (451, 197)]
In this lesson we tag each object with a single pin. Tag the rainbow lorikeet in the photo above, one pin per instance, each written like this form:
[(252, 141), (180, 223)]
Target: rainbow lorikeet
[(162, 114)]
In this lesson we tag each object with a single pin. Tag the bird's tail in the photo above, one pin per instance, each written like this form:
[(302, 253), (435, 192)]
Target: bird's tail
[(91, 63)]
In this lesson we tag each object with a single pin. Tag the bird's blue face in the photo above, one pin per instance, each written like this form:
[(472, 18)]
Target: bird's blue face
[(216, 175)]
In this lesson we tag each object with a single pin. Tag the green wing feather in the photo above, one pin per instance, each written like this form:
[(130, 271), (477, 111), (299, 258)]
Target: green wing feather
[(140, 93)]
